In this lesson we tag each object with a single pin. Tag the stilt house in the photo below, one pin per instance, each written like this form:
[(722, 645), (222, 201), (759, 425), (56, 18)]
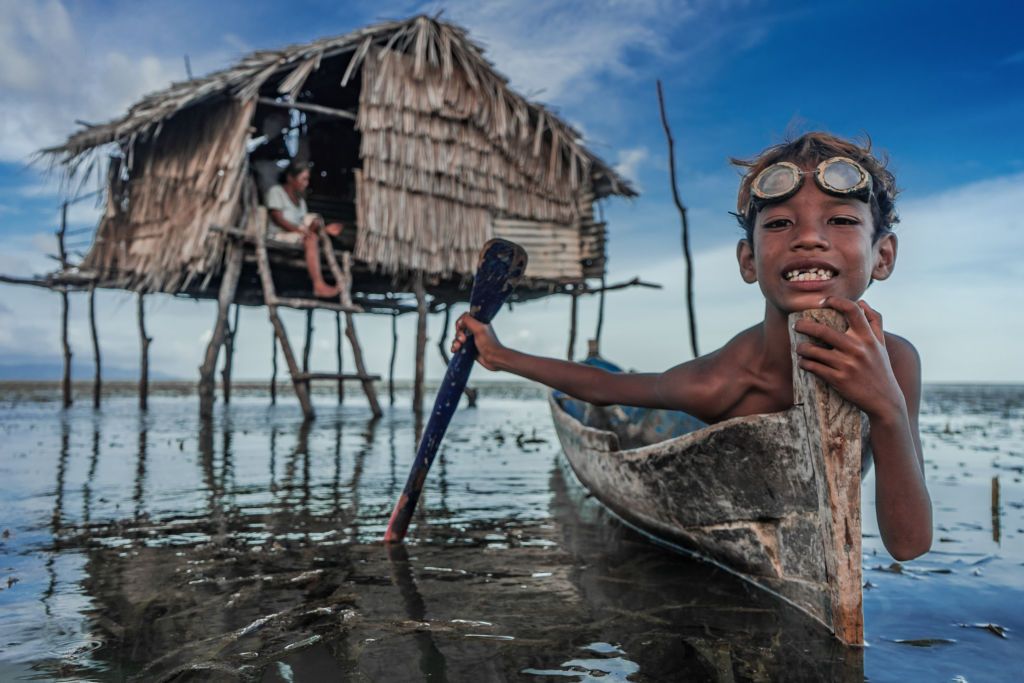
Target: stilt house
[(416, 144)]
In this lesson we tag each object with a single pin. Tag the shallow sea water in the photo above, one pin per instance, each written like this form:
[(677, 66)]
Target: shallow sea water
[(155, 547)]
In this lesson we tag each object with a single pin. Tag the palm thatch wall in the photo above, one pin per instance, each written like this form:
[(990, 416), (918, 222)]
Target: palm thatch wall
[(450, 156)]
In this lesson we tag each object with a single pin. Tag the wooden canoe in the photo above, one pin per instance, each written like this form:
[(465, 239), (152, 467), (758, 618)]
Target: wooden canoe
[(773, 498)]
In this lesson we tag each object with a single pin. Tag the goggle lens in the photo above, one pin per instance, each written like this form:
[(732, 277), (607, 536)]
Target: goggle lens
[(777, 180), (842, 176)]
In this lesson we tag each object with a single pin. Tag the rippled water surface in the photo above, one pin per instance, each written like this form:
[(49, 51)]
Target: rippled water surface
[(156, 547)]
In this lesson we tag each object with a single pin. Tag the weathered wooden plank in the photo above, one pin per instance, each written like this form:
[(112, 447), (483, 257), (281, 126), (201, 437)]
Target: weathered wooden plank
[(775, 498)]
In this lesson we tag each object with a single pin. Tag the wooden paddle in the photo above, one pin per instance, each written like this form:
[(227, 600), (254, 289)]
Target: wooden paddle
[(502, 264)]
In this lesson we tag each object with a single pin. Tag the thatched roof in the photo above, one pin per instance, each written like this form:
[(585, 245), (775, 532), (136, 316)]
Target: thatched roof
[(427, 41)]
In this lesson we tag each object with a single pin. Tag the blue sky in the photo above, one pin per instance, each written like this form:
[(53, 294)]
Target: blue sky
[(937, 85)]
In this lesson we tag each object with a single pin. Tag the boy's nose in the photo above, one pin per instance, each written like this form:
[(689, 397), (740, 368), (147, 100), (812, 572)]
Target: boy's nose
[(810, 234)]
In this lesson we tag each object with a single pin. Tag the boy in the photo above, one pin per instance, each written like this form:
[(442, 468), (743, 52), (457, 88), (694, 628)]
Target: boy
[(818, 213)]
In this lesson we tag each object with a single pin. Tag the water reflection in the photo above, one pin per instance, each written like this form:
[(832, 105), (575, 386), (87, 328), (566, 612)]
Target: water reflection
[(244, 547)]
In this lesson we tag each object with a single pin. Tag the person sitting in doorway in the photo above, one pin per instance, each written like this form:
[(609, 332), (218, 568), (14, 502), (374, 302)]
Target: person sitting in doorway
[(291, 222)]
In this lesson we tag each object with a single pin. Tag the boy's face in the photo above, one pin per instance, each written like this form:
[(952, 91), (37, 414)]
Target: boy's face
[(814, 245)]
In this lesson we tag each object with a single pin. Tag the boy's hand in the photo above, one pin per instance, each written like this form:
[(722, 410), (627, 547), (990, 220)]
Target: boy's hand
[(487, 345), (857, 365)]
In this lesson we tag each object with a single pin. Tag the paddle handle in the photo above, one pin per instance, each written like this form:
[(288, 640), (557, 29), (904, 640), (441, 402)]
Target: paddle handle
[(501, 264)]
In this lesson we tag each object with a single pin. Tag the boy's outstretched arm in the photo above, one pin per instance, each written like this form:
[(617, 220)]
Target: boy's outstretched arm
[(580, 381), (882, 377)]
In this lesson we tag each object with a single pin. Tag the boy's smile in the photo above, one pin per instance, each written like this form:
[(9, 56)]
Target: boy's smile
[(814, 245)]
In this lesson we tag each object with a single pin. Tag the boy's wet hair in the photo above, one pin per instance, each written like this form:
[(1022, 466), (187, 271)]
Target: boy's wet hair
[(809, 150)]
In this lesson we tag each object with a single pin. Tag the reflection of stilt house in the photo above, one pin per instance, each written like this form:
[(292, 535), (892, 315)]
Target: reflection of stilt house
[(415, 143)]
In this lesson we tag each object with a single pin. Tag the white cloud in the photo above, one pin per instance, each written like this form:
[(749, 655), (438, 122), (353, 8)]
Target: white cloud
[(554, 51), (629, 162), (55, 72)]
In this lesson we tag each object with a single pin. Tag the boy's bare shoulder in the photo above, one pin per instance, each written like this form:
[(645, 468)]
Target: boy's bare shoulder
[(906, 366), (708, 386), (901, 348)]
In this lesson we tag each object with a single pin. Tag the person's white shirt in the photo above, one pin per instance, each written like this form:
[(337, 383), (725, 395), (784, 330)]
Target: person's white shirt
[(278, 199)]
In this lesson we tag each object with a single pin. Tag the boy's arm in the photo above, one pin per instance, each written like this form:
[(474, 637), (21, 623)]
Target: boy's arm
[(883, 380), (580, 381)]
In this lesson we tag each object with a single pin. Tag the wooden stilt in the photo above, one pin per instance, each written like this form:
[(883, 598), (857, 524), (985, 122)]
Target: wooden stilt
[(229, 356), (337, 353), (65, 383), (571, 352), (273, 368), (97, 380), (343, 279), (307, 347), (600, 314), (228, 286), (144, 341), (421, 342), (270, 298), (394, 350), (357, 357)]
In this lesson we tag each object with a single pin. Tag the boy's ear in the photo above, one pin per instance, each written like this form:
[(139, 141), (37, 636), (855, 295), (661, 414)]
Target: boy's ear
[(745, 257), (885, 257)]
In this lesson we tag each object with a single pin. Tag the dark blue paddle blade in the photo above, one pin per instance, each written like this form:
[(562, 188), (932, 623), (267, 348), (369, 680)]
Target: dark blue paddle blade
[(501, 265)]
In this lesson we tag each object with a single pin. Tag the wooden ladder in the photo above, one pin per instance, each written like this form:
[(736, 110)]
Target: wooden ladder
[(343, 277)]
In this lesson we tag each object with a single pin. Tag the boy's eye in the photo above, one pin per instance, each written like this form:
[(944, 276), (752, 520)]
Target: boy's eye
[(844, 220), (776, 223)]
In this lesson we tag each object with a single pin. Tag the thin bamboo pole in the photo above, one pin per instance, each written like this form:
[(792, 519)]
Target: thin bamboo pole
[(65, 304), (229, 356), (357, 357), (307, 347), (421, 342), (573, 309), (144, 342), (394, 350), (273, 367), (338, 354), (686, 226), (270, 296), (228, 286), (97, 381)]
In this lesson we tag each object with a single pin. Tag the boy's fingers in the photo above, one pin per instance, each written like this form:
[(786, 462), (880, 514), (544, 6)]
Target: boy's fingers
[(823, 333), (874, 320), (816, 353), (854, 314), (820, 369)]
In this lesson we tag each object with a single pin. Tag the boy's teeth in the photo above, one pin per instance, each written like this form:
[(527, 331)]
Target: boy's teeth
[(812, 274)]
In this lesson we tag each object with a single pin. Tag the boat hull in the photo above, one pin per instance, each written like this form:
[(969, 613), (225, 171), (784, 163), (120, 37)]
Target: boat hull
[(774, 498)]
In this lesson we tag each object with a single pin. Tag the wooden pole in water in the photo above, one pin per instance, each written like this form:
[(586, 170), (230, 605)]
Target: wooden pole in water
[(571, 352), (97, 380), (421, 342), (337, 353), (65, 383), (273, 367), (229, 356), (394, 350), (686, 225), (226, 295), (309, 340), (600, 296), (357, 359), (144, 341), (995, 510)]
